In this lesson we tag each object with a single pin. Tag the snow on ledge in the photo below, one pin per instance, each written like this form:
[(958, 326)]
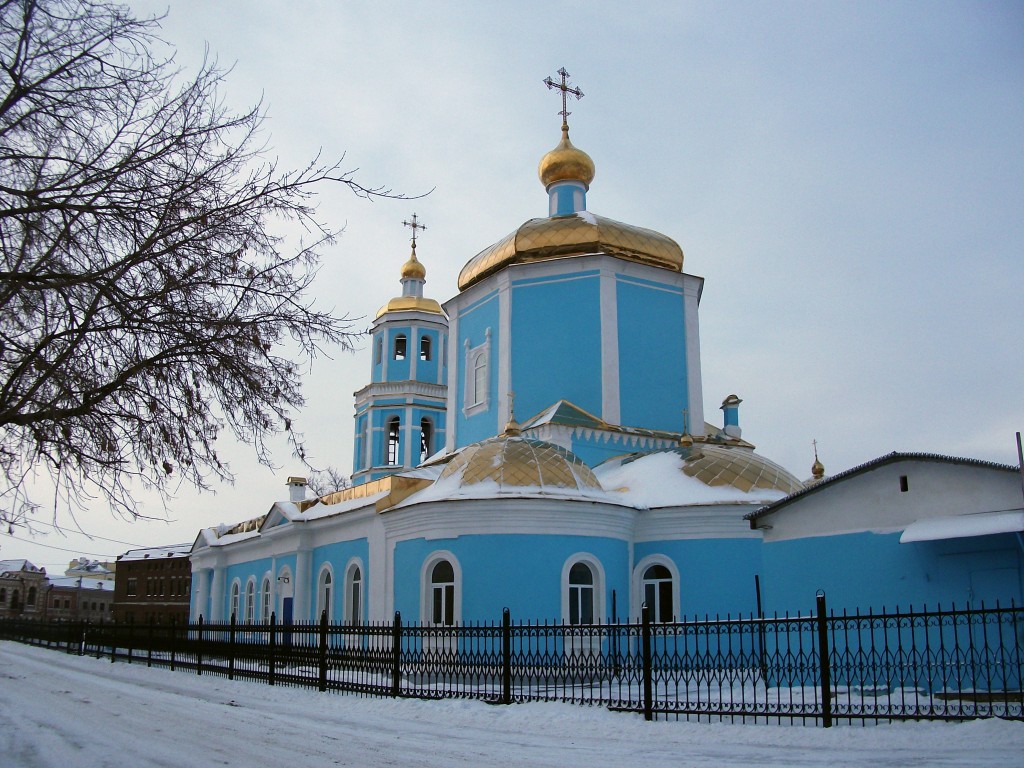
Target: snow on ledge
[(963, 526)]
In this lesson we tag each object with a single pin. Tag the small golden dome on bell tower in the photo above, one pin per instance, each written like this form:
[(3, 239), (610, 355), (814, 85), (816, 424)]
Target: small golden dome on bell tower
[(413, 269), (566, 163)]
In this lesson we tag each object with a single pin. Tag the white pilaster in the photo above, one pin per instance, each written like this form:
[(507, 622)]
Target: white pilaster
[(303, 582), (504, 350), (453, 380), (691, 293)]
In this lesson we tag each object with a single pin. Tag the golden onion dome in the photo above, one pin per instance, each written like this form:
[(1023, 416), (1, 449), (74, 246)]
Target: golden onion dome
[(745, 470), (817, 469), (566, 163), (577, 234), (413, 269), (514, 462)]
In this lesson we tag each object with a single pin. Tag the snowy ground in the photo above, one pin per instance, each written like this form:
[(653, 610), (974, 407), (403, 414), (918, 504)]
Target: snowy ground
[(62, 710)]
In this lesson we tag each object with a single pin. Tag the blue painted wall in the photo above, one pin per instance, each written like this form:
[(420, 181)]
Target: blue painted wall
[(716, 576), (337, 555), (652, 355), (556, 342), (522, 573), (874, 570)]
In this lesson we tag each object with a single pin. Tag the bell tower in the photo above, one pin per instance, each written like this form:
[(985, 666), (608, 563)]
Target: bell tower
[(400, 415)]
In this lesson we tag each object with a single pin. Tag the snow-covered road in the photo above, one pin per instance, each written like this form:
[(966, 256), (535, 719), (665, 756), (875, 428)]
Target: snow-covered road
[(59, 710)]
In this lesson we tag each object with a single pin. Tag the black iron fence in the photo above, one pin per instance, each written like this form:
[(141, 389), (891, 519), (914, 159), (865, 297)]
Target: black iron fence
[(819, 668)]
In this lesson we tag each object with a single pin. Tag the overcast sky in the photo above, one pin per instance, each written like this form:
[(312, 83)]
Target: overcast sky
[(847, 177)]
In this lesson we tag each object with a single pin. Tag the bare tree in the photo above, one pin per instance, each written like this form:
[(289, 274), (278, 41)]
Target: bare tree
[(146, 303), (327, 480)]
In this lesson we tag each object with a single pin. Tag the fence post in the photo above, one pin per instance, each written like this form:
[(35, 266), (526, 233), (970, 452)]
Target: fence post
[(323, 650), (82, 638), (645, 634), (174, 639), (615, 637), (273, 648), (199, 646), (396, 653), (506, 657), (231, 649), (131, 639), (149, 645), (823, 662)]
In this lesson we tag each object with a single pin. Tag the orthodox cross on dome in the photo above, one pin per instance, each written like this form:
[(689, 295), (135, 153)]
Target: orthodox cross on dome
[(566, 90), (414, 225)]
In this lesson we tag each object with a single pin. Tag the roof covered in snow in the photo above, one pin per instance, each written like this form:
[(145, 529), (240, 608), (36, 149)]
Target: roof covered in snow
[(152, 553), (881, 461)]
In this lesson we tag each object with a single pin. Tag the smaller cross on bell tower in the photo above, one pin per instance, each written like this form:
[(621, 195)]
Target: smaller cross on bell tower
[(414, 225), (567, 91)]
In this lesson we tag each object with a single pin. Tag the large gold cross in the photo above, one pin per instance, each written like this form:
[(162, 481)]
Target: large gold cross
[(566, 91)]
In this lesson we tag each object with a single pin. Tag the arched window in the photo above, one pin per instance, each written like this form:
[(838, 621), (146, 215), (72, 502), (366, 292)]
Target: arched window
[(3, 595), (394, 432), (31, 599), (479, 378), (581, 594), (442, 594), (583, 591), (250, 601), (378, 353), (354, 593), (325, 586), (426, 439), (265, 601), (235, 592), (400, 346), (15, 602), (424, 347), (657, 589), (441, 589)]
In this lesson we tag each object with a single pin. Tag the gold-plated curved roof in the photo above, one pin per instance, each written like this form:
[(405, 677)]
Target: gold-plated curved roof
[(717, 465), (577, 234), (566, 163), (414, 268), (517, 462), (410, 303)]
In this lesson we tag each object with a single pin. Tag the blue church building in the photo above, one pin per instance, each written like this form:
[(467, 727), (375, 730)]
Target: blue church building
[(531, 444)]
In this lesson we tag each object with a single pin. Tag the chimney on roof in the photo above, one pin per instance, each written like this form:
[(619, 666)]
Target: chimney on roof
[(731, 409), (296, 489)]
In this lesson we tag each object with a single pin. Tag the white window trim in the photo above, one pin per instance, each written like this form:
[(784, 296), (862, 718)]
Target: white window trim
[(638, 583), (426, 594), (320, 603), (599, 581), (235, 600), (346, 602), (250, 600), (481, 401)]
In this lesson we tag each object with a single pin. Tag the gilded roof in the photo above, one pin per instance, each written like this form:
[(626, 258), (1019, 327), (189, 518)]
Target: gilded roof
[(411, 303), (517, 462), (574, 235), (717, 465)]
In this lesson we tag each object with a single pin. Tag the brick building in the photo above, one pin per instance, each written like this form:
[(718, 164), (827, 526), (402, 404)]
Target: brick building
[(153, 585)]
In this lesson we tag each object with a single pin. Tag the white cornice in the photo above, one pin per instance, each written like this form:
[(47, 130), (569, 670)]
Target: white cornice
[(453, 518), (401, 388)]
